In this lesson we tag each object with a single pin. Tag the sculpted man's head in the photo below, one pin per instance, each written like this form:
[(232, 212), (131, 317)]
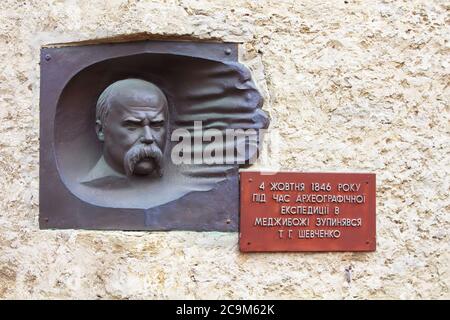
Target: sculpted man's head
[(131, 120)]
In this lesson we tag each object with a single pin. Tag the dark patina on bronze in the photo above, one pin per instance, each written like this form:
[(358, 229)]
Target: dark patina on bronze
[(107, 113), (294, 211)]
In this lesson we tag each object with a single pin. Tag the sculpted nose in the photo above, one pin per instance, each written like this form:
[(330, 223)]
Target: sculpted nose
[(147, 136)]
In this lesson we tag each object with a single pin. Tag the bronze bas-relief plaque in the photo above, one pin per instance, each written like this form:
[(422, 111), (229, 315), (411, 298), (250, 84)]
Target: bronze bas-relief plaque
[(109, 115), (293, 211)]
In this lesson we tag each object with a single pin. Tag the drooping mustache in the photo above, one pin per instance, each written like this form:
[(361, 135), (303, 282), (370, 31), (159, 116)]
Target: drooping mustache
[(140, 152)]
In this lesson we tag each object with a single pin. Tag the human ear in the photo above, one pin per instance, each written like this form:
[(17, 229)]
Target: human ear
[(99, 130)]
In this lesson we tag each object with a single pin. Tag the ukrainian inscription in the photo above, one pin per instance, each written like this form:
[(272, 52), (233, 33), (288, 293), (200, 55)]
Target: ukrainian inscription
[(307, 212)]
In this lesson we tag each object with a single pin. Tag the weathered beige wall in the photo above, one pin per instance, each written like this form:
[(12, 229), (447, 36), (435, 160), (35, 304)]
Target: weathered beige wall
[(352, 86)]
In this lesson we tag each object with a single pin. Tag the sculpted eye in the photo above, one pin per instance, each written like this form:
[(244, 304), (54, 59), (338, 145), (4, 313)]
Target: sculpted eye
[(157, 124), (131, 126)]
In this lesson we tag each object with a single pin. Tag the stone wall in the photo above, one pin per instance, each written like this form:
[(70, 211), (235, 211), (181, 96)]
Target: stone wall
[(351, 86)]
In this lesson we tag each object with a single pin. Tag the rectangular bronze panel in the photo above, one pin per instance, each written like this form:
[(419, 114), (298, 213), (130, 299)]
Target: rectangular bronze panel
[(82, 188), (294, 211)]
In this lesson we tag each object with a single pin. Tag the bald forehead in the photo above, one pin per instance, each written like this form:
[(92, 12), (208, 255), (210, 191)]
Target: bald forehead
[(137, 94)]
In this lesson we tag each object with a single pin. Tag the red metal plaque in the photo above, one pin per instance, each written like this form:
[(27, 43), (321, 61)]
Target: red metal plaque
[(294, 211)]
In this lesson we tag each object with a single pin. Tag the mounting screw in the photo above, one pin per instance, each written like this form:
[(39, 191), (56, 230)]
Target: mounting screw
[(48, 57), (227, 51), (228, 221), (250, 180), (46, 219)]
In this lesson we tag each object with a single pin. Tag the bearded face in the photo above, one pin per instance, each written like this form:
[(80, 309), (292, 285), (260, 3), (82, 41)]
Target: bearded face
[(134, 129)]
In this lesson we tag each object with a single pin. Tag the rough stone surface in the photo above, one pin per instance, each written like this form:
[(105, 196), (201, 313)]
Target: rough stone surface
[(349, 85)]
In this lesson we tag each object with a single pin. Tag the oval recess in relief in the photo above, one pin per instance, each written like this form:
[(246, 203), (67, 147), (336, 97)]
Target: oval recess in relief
[(220, 94)]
